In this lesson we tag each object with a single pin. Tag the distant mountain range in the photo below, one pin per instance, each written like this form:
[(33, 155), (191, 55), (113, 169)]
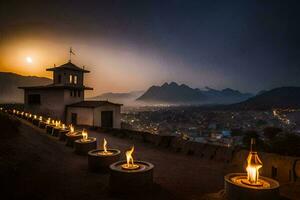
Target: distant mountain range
[(124, 98), (182, 94), (283, 97), (168, 93), (9, 83)]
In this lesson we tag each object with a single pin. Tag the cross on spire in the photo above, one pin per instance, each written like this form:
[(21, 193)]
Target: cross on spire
[(70, 53)]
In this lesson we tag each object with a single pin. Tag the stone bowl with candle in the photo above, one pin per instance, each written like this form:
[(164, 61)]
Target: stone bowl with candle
[(131, 177), (35, 121), (42, 124), (72, 137), (57, 129), (62, 134), (23, 115), (86, 144), (30, 117), (49, 128), (99, 160), (236, 188), (251, 185)]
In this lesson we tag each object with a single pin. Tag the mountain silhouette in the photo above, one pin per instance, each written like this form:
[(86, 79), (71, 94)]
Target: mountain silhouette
[(282, 97), (9, 83), (173, 93)]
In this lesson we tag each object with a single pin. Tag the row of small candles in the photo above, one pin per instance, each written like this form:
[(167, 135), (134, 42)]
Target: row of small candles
[(253, 161), (129, 165)]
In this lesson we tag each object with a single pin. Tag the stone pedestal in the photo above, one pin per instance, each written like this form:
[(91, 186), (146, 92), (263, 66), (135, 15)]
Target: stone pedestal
[(62, 135), (42, 125), (99, 162), (131, 182), (56, 130), (49, 129), (35, 122), (70, 139), (83, 147), (237, 191)]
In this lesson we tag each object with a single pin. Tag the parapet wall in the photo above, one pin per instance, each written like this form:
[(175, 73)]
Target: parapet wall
[(282, 168)]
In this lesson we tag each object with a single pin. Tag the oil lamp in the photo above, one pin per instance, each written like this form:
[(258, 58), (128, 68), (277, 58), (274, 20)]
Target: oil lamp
[(58, 128), (35, 120), (251, 185), (63, 131), (71, 136), (50, 126), (43, 124), (85, 144), (129, 177), (101, 159)]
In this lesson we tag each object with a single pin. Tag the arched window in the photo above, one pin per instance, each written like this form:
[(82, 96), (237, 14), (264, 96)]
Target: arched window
[(75, 79)]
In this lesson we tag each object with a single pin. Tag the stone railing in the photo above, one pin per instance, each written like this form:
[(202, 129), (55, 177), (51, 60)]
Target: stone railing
[(282, 168)]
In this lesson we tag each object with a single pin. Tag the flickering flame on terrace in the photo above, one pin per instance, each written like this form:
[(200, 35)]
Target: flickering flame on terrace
[(253, 166), (84, 135), (57, 123), (48, 120), (17, 112), (30, 115), (14, 111), (105, 151), (72, 129), (26, 114), (22, 113), (34, 116), (129, 165), (41, 118), (63, 126), (252, 179)]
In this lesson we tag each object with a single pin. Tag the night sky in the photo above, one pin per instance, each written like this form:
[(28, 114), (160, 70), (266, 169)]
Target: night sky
[(131, 45)]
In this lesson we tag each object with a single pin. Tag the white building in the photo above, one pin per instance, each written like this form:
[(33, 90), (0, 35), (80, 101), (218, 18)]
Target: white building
[(64, 100)]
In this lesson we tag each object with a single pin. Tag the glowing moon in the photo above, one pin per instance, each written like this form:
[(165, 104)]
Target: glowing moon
[(29, 59)]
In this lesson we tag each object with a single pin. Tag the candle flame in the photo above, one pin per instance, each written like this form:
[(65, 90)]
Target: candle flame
[(129, 165), (104, 145), (41, 118), (84, 135), (34, 116), (253, 166), (72, 129)]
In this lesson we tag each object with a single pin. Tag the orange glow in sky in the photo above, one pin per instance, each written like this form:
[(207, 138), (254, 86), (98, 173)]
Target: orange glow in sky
[(114, 67)]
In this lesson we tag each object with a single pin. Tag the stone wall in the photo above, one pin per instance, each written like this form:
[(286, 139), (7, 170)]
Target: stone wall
[(285, 169)]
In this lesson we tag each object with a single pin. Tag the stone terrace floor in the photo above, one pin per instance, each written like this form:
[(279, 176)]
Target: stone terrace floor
[(44, 168)]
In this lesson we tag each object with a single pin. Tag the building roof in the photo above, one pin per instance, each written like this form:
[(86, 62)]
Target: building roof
[(93, 104), (55, 86), (70, 66)]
